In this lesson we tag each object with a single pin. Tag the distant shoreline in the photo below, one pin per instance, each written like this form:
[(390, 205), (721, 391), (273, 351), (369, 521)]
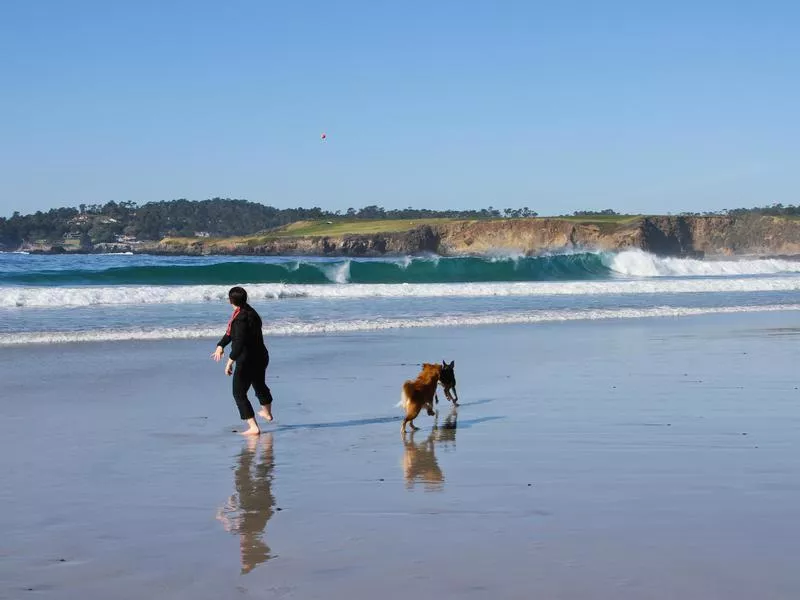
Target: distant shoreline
[(709, 258), (690, 237)]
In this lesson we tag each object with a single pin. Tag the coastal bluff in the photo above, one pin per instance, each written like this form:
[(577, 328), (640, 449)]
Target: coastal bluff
[(680, 236)]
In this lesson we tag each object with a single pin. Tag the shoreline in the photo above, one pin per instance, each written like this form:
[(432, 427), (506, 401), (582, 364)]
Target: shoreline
[(33, 339), (675, 236), (602, 461)]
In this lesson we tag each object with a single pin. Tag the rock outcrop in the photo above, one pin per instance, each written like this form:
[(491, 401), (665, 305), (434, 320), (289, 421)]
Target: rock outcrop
[(666, 236)]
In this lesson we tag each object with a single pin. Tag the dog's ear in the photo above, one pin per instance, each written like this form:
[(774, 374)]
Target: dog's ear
[(453, 364), (444, 364)]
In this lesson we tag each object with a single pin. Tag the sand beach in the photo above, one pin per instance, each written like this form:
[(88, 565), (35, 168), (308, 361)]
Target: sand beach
[(655, 458)]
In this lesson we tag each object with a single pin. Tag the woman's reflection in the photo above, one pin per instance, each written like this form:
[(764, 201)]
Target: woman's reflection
[(247, 511), (419, 459)]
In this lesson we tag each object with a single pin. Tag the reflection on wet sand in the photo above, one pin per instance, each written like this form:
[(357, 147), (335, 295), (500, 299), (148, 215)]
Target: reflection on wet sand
[(247, 512), (419, 459)]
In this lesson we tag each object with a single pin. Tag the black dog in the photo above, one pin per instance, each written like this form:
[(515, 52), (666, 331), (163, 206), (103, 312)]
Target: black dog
[(448, 382)]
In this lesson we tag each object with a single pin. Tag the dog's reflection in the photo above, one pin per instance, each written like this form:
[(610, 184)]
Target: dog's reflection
[(419, 459), (247, 512)]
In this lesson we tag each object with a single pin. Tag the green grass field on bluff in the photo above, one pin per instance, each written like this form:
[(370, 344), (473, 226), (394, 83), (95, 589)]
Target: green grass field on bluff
[(342, 227), (325, 228), (353, 227), (365, 227)]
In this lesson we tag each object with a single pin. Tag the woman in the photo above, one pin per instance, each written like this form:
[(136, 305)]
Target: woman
[(250, 355)]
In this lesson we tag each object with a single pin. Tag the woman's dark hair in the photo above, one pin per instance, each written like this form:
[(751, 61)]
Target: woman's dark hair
[(238, 296)]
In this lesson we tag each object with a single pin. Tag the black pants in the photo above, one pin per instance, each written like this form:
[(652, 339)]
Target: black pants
[(244, 376)]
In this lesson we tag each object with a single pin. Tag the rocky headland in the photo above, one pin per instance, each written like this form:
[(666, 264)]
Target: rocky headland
[(662, 235)]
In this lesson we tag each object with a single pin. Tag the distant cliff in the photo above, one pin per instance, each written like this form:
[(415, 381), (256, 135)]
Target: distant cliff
[(668, 236)]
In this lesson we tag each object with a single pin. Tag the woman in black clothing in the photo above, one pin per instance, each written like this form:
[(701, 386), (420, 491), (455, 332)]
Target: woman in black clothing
[(250, 356)]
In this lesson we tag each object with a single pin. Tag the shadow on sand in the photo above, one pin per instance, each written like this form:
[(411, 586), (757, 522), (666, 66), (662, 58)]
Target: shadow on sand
[(249, 509), (338, 424), (419, 458), (380, 420)]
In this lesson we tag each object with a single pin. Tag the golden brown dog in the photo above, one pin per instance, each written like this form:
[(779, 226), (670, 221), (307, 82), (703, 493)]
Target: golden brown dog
[(419, 394)]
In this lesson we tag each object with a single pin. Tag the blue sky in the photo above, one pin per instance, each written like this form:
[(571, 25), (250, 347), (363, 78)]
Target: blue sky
[(638, 106)]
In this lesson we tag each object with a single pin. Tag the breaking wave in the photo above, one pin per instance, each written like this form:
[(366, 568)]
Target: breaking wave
[(637, 263), (295, 328), (62, 297), (579, 266)]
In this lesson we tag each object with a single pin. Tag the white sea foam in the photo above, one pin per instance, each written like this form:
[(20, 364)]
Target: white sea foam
[(336, 272), (325, 327), (402, 261), (501, 255), (637, 263), (60, 297)]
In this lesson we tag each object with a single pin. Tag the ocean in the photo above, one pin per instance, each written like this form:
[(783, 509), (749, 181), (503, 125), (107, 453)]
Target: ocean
[(92, 298), (622, 419)]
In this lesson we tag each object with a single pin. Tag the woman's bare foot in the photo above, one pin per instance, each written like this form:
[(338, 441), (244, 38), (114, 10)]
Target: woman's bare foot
[(253, 429), (266, 412)]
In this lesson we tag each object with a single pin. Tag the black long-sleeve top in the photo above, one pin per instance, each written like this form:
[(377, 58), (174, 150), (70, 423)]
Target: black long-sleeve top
[(246, 338)]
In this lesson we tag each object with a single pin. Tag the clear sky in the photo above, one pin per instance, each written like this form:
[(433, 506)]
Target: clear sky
[(640, 106)]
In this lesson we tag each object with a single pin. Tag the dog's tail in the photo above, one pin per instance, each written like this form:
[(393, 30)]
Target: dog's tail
[(403, 398)]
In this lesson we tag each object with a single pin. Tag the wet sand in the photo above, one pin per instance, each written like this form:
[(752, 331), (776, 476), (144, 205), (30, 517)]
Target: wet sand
[(650, 459)]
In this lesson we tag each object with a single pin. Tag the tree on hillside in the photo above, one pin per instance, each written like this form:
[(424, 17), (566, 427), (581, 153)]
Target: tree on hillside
[(595, 213), (774, 210)]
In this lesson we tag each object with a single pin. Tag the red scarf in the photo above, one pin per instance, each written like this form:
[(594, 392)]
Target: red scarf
[(233, 316)]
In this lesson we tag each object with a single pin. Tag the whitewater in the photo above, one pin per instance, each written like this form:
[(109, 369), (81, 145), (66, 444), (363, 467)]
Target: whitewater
[(49, 297), (357, 325), (573, 266), (64, 299)]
